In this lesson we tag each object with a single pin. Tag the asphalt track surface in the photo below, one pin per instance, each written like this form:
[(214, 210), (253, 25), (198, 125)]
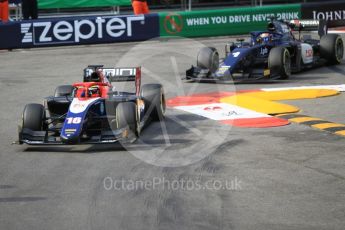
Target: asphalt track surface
[(290, 177)]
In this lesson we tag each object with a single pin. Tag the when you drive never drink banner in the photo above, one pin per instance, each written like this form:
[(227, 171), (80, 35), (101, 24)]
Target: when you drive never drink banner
[(51, 4), (228, 21)]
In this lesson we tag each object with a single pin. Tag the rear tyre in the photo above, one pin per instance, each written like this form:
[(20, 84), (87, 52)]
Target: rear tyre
[(127, 116), (208, 58), (63, 90), (332, 48), (279, 62), (34, 117), (154, 98)]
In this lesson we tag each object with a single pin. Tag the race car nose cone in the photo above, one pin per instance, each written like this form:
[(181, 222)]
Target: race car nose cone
[(69, 140)]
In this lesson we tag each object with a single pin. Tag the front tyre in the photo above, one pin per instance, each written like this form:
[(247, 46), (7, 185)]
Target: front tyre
[(332, 48), (279, 62), (208, 58), (34, 117)]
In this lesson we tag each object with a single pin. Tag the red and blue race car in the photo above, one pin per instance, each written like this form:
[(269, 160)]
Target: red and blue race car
[(94, 111)]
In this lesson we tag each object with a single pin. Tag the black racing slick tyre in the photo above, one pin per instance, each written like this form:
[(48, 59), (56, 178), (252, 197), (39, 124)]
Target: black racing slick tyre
[(127, 116), (34, 117), (154, 98), (63, 90), (332, 48), (279, 62), (208, 58)]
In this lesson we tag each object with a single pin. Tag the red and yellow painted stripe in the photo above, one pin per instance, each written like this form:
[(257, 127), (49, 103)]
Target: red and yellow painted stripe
[(258, 108)]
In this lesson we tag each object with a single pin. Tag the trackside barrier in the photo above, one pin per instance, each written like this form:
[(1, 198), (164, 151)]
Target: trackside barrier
[(109, 29), (78, 31), (332, 11), (223, 22)]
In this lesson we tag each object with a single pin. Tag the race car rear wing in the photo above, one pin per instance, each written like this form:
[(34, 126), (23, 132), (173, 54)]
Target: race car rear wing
[(310, 25), (116, 74), (112, 74)]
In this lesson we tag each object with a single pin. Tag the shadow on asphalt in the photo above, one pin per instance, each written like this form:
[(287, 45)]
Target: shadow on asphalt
[(151, 136)]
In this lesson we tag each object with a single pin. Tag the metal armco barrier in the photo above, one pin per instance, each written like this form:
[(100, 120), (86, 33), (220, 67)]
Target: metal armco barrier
[(223, 22), (78, 31)]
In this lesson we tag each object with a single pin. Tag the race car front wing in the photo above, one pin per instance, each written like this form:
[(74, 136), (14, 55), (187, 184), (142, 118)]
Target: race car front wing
[(30, 137)]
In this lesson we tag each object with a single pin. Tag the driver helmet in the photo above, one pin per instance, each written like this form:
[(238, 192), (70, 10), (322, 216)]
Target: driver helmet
[(94, 91), (266, 37)]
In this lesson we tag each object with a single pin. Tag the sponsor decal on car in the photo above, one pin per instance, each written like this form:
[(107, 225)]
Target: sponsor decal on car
[(263, 51), (70, 131), (236, 54), (78, 106), (223, 69)]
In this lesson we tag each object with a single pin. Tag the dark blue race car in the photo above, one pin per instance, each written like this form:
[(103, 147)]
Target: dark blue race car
[(271, 54)]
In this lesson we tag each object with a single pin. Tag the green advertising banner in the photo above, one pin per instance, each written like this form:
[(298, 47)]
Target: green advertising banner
[(51, 4), (223, 22)]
